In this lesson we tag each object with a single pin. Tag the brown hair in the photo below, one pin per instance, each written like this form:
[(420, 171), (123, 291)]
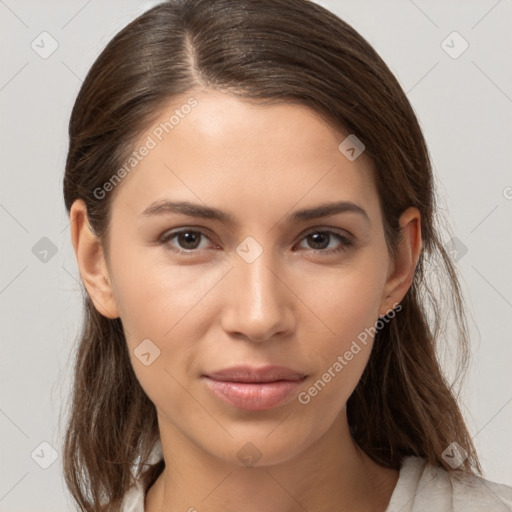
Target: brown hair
[(267, 51)]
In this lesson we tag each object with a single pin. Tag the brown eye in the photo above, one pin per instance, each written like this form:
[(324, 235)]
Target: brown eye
[(320, 240), (187, 240)]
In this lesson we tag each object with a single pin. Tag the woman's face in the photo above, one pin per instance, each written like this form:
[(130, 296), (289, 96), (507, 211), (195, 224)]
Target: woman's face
[(263, 285)]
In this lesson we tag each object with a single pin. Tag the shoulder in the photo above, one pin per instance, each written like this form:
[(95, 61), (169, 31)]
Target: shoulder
[(421, 487)]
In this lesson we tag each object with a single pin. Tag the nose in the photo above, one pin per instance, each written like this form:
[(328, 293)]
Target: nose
[(259, 305)]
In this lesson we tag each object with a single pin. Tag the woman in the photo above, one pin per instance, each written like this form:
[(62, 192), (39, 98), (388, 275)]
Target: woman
[(253, 215)]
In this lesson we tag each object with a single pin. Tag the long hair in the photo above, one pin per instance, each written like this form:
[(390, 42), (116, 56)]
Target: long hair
[(268, 52)]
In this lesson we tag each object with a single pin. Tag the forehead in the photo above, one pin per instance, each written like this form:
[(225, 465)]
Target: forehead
[(228, 152), (204, 120)]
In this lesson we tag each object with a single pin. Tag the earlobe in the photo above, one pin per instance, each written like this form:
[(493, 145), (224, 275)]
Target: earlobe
[(91, 261), (403, 267)]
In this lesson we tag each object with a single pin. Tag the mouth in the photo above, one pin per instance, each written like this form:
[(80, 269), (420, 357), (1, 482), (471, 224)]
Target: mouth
[(269, 373), (252, 388)]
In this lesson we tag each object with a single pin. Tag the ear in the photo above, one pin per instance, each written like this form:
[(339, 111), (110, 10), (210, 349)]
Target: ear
[(401, 269), (91, 261)]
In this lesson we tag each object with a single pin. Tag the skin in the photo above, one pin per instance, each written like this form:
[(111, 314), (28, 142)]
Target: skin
[(211, 309)]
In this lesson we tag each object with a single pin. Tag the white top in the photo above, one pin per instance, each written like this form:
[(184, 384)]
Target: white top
[(420, 487)]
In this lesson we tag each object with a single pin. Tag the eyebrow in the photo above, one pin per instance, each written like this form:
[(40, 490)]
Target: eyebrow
[(196, 210)]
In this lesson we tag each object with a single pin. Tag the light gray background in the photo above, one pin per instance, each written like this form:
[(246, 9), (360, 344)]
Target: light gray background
[(464, 106)]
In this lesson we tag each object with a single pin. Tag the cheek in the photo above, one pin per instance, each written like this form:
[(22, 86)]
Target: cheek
[(159, 308), (169, 305), (154, 296), (349, 299), (348, 306)]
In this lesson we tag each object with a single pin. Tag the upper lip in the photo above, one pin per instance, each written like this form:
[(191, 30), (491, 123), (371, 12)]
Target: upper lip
[(269, 373)]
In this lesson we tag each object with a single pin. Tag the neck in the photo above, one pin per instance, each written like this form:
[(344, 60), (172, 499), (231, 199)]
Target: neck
[(331, 474)]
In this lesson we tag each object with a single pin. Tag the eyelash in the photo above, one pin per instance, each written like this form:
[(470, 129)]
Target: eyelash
[(345, 242)]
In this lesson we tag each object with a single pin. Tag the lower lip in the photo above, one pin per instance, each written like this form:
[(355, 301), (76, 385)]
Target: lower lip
[(254, 396)]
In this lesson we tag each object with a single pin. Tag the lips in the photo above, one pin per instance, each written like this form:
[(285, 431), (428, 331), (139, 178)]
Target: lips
[(255, 389), (256, 374)]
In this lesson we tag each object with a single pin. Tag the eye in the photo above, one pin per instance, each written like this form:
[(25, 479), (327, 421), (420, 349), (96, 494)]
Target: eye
[(188, 239), (320, 239)]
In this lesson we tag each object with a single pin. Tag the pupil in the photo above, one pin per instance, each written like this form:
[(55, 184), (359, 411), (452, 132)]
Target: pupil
[(186, 239), (317, 236)]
